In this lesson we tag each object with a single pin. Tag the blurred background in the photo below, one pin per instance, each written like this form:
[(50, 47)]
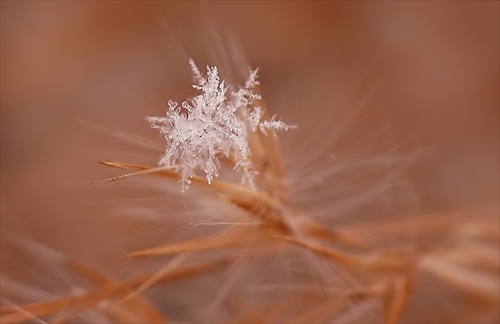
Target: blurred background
[(77, 79)]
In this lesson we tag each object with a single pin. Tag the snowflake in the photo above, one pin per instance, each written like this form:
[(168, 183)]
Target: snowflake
[(214, 123)]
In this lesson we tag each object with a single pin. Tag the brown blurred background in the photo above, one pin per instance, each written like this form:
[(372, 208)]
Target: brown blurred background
[(425, 74)]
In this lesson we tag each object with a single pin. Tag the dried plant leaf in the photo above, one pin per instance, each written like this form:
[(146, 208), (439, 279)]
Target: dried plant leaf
[(108, 292), (232, 238), (396, 298), (471, 281), (379, 261), (136, 307), (256, 202)]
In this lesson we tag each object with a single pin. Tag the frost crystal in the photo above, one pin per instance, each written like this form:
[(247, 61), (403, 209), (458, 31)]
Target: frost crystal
[(215, 123)]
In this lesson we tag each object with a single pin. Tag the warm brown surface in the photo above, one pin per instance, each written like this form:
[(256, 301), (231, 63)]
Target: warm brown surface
[(422, 76)]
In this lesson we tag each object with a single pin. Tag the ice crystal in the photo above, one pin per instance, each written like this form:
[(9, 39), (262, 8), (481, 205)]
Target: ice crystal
[(214, 123)]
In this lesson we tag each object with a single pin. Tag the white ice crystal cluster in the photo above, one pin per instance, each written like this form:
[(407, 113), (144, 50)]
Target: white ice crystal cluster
[(211, 125)]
